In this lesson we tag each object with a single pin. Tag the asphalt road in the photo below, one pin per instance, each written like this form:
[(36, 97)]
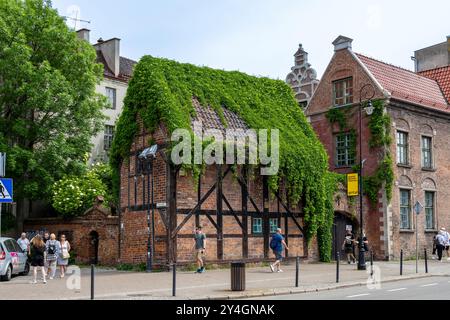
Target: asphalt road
[(433, 288)]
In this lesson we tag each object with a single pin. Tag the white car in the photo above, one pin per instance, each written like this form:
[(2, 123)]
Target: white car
[(13, 260)]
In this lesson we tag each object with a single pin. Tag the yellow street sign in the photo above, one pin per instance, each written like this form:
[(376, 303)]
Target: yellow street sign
[(352, 184)]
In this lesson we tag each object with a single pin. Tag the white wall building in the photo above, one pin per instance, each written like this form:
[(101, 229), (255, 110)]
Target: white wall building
[(117, 72)]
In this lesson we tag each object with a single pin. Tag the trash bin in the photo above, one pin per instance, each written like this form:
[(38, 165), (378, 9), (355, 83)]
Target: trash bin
[(237, 276)]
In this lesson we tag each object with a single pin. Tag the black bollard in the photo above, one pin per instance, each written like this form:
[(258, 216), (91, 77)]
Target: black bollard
[(92, 281), (426, 261), (337, 267), (401, 262), (174, 282), (297, 269), (371, 263)]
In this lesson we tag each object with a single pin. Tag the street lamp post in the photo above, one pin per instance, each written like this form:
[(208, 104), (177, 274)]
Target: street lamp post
[(369, 111), (147, 157)]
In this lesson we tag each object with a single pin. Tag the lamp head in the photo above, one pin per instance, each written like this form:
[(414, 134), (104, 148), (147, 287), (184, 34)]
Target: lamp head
[(369, 109)]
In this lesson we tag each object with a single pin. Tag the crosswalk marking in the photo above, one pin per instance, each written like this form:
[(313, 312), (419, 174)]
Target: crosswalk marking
[(429, 285), (359, 295), (399, 289)]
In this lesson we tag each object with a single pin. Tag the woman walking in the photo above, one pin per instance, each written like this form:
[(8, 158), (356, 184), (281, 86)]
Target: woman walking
[(63, 255), (51, 249), (37, 249)]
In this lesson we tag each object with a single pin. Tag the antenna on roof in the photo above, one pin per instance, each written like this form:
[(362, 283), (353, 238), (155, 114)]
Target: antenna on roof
[(73, 14)]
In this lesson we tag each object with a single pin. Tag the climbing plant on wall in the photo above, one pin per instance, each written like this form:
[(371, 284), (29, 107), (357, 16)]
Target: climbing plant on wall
[(162, 91)]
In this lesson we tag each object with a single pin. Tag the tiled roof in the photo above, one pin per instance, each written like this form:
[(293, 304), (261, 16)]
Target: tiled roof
[(406, 85), (126, 67), (442, 76), (211, 120)]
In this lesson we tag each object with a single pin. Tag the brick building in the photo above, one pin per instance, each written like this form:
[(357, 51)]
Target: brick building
[(232, 204), (420, 122)]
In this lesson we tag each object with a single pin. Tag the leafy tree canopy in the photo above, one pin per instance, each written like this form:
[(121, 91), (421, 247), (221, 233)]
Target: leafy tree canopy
[(48, 106)]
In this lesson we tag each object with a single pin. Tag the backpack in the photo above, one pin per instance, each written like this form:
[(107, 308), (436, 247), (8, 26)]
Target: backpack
[(51, 249), (273, 243)]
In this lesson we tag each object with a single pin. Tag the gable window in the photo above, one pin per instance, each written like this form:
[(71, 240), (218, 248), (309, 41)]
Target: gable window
[(402, 148), (427, 155), (405, 209), (345, 155), (108, 137), (343, 92), (429, 210), (111, 95), (257, 225)]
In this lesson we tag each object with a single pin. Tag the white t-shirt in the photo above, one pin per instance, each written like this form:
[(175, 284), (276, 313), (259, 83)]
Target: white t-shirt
[(23, 243)]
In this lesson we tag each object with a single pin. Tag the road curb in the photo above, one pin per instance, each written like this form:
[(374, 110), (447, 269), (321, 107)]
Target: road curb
[(289, 291)]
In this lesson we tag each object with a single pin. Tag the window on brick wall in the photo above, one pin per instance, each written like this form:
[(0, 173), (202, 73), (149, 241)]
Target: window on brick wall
[(343, 92), (273, 225), (402, 148), (405, 209), (345, 154), (429, 210), (257, 225), (427, 154)]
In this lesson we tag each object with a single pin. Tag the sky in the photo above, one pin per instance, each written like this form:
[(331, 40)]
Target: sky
[(260, 37)]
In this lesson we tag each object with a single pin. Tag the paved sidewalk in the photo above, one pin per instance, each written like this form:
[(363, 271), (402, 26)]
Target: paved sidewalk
[(214, 284)]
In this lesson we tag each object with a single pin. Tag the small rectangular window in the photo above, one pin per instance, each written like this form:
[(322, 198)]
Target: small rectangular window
[(273, 225), (108, 137), (402, 148), (405, 209), (345, 153), (111, 95), (343, 92), (429, 210), (427, 152), (257, 225)]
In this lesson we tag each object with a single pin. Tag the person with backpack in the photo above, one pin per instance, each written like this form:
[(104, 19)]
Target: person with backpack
[(276, 244), (349, 246), (51, 250), (440, 244), (36, 252), (446, 236)]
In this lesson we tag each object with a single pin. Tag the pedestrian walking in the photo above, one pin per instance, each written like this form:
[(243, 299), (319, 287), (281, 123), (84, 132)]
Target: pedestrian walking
[(51, 256), (36, 252), (349, 247), (23, 242), (200, 249), (63, 248), (446, 236), (440, 244), (276, 244), (434, 253), (365, 242), (45, 239)]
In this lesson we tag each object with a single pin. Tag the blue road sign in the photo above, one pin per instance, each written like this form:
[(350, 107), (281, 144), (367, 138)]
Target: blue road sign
[(6, 190)]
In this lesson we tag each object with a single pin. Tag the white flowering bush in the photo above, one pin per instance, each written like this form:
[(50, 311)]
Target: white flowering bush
[(72, 196)]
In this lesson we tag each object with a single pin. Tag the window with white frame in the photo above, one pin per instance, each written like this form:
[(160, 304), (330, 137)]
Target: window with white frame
[(427, 152), (429, 210), (273, 225), (257, 225), (402, 148), (111, 95), (343, 92), (405, 209)]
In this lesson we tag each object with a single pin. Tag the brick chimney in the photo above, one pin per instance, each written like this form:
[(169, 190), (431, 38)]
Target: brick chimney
[(111, 52), (83, 34), (342, 43)]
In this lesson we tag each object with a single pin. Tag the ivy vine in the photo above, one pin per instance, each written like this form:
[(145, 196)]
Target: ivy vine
[(162, 90)]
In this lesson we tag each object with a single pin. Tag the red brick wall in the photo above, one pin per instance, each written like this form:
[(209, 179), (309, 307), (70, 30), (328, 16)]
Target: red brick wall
[(79, 230)]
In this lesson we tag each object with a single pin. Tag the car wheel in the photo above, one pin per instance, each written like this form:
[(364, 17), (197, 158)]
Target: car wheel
[(8, 275), (26, 270)]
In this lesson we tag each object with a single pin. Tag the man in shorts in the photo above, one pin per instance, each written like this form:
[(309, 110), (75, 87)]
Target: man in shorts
[(276, 244), (200, 248)]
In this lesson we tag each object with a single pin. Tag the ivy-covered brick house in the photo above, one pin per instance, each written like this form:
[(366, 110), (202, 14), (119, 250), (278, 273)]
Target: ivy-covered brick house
[(405, 144), (237, 207)]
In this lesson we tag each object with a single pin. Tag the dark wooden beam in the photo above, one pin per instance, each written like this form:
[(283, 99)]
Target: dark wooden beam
[(266, 224), (244, 197), (289, 212), (172, 213), (232, 212), (219, 201), (199, 197)]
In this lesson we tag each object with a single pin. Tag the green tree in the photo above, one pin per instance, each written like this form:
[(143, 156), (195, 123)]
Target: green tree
[(48, 106)]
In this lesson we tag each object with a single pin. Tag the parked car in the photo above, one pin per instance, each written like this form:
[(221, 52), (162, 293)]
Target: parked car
[(13, 261)]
